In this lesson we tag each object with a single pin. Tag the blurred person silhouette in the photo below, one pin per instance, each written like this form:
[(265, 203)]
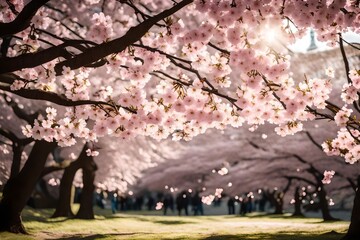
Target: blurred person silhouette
[(166, 203), (231, 205), (197, 204), (182, 202), (150, 203), (114, 201), (243, 205)]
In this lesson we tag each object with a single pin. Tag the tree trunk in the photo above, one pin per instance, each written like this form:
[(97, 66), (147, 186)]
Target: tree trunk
[(324, 206), (297, 203), (279, 202), (86, 199), (18, 189), (353, 232), (16, 162), (63, 207)]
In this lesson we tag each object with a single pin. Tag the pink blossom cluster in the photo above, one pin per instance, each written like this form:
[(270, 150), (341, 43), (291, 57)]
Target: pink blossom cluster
[(101, 28), (4, 149), (346, 142), (92, 153), (328, 175), (6, 15), (344, 145), (349, 94), (207, 199)]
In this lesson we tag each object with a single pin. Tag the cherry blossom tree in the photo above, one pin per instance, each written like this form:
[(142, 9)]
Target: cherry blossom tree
[(274, 163), (119, 165), (122, 165), (168, 68)]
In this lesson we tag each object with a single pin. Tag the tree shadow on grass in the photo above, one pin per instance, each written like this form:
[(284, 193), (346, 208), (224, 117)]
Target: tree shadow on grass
[(97, 236), (326, 221), (165, 222), (272, 215), (290, 216), (172, 222), (279, 236)]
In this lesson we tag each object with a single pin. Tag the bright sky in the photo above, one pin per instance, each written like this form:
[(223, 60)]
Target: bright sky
[(302, 44)]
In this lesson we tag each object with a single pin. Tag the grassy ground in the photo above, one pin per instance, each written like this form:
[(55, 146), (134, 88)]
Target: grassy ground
[(135, 226)]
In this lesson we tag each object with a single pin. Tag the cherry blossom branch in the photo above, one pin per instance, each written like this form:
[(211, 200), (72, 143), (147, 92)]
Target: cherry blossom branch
[(29, 60), (66, 16), (300, 179), (172, 60), (9, 135), (144, 6), (92, 54), (316, 113), (67, 27), (161, 52), (14, 139), (273, 92), (267, 159), (332, 108), (79, 47), (83, 41), (256, 146), (217, 93), (57, 99), (12, 7), (196, 72), (352, 135), (313, 140), (350, 44), (137, 10), (117, 45), (219, 49), (311, 170), (211, 91), (23, 19), (347, 67), (39, 39), (346, 62), (173, 78)]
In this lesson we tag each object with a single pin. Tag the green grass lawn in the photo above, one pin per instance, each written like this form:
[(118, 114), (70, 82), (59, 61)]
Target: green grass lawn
[(137, 226)]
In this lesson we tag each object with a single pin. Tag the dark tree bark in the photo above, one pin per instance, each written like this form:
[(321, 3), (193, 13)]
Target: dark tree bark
[(51, 169), (23, 19), (297, 203), (86, 199), (18, 189), (353, 232), (279, 203), (276, 200), (17, 148), (323, 203), (16, 163), (63, 208)]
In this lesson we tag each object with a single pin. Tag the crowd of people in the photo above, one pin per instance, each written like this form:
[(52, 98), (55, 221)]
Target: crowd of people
[(183, 203)]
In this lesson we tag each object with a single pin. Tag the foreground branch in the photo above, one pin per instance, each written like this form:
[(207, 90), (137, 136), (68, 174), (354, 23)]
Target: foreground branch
[(23, 19), (57, 99)]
